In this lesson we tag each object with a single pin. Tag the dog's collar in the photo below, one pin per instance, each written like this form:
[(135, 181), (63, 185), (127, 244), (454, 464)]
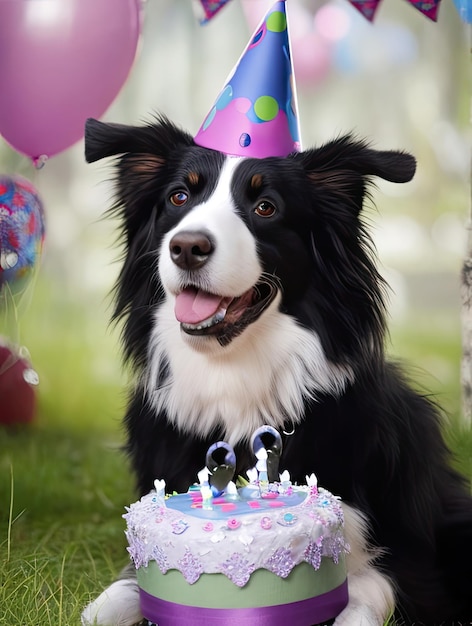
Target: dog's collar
[(290, 432)]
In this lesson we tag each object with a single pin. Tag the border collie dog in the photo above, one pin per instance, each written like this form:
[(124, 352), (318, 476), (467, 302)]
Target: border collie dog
[(249, 295)]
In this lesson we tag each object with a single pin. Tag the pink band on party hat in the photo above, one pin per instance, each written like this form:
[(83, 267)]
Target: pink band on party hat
[(255, 114)]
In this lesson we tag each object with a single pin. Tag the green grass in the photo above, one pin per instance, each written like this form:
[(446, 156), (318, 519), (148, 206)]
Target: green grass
[(61, 528), (62, 536), (429, 344), (64, 480)]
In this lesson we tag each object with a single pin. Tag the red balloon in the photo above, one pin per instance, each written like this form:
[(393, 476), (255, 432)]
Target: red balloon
[(17, 388), (61, 61)]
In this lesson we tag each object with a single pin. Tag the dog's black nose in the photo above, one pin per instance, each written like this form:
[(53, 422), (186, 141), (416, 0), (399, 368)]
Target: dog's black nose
[(190, 250)]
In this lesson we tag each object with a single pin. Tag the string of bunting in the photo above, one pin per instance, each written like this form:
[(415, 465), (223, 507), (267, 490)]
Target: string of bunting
[(367, 8)]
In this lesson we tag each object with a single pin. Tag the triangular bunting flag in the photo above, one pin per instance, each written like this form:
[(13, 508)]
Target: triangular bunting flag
[(209, 8), (366, 7), (429, 8)]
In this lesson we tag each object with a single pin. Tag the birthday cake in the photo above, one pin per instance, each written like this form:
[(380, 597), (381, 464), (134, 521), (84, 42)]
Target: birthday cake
[(266, 551)]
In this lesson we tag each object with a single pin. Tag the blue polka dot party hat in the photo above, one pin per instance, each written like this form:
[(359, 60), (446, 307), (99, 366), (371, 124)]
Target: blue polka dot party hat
[(255, 114)]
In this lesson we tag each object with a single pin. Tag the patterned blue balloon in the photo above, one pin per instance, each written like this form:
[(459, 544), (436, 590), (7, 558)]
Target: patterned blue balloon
[(21, 230)]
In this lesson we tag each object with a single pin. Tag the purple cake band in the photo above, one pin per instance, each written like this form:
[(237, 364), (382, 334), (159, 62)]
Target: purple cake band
[(302, 613)]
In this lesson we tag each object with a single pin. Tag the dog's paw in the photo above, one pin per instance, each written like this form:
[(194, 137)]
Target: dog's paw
[(118, 605), (357, 616)]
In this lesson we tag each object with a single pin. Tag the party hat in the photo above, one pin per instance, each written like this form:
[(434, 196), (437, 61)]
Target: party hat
[(255, 114)]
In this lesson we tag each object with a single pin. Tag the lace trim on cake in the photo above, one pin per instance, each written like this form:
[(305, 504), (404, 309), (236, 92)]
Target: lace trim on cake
[(238, 546)]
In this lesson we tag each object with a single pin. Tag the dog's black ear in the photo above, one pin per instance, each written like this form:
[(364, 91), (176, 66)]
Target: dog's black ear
[(156, 139), (348, 154), (345, 166), (105, 140), (393, 165)]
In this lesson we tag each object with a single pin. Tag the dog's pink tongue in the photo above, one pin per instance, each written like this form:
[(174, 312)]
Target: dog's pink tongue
[(194, 305)]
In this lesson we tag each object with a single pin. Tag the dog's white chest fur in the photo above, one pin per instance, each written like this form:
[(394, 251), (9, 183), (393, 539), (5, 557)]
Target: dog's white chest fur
[(243, 385)]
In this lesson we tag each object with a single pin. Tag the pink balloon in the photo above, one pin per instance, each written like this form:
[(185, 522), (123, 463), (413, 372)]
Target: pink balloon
[(61, 61)]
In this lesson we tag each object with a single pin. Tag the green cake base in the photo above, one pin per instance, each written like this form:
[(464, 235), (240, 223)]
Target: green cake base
[(263, 588)]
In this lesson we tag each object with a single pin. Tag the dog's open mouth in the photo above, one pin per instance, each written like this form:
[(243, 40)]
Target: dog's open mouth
[(202, 313)]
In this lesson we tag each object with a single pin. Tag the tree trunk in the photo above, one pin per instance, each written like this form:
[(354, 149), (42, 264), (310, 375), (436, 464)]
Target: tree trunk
[(466, 317), (466, 368)]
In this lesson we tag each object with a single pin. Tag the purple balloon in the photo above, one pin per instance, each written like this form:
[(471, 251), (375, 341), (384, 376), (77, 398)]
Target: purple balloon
[(61, 61)]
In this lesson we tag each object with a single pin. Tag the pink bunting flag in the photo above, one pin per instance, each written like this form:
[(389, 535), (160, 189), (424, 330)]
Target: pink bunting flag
[(429, 8), (210, 8), (366, 7)]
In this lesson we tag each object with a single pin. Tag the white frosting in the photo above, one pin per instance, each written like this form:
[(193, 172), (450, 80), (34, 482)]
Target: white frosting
[(237, 535)]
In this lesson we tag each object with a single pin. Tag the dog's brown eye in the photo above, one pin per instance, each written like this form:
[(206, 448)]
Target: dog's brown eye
[(265, 209), (179, 198)]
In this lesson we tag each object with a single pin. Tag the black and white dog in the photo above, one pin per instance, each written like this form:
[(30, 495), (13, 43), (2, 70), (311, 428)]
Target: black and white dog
[(250, 296)]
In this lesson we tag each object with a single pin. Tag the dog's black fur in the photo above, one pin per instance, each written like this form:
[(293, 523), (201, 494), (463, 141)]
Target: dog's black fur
[(378, 444)]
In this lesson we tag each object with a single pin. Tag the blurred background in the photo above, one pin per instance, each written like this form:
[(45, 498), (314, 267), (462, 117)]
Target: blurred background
[(402, 82)]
